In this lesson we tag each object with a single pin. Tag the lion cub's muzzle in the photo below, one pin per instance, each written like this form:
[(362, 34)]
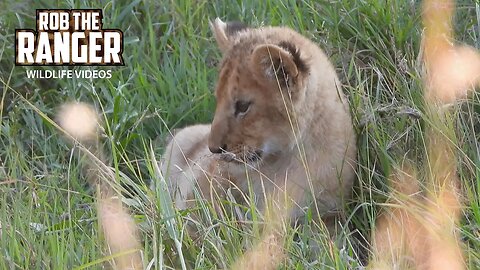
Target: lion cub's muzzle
[(217, 150), (242, 157)]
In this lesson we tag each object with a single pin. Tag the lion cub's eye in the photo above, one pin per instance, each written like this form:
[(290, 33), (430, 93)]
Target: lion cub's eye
[(241, 107)]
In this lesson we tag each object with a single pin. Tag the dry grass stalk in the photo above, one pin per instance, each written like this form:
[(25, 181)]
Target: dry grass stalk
[(422, 233), (81, 122), (268, 252)]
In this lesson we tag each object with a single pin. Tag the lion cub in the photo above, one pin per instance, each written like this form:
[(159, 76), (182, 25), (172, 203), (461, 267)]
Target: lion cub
[(281, 128)]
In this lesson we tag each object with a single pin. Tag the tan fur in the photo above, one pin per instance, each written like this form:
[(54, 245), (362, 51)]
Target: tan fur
[(295, 136)]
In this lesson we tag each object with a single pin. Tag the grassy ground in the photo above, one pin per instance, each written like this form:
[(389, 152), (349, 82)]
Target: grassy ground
[(47, 213)]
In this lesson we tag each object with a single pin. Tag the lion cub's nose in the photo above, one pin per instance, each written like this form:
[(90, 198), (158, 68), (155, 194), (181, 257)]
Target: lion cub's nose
[(216, 149)]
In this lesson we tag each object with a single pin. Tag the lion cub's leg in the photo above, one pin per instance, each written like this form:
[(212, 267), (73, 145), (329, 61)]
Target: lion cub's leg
[(189, 167)]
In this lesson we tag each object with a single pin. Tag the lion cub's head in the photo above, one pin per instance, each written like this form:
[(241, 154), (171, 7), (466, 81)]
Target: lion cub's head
[(262, 78)]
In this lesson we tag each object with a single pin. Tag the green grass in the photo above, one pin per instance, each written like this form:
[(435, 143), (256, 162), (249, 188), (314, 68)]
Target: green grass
[(47, 212)]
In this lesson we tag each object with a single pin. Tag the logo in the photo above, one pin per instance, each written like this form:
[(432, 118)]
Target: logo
[(69, 38)]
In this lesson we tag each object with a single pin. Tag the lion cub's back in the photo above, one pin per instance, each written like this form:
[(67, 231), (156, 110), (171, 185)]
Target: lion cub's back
[(188, 142)]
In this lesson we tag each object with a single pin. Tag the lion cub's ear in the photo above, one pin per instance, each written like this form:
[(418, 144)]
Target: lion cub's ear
[(224, 32), (277, 63)]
